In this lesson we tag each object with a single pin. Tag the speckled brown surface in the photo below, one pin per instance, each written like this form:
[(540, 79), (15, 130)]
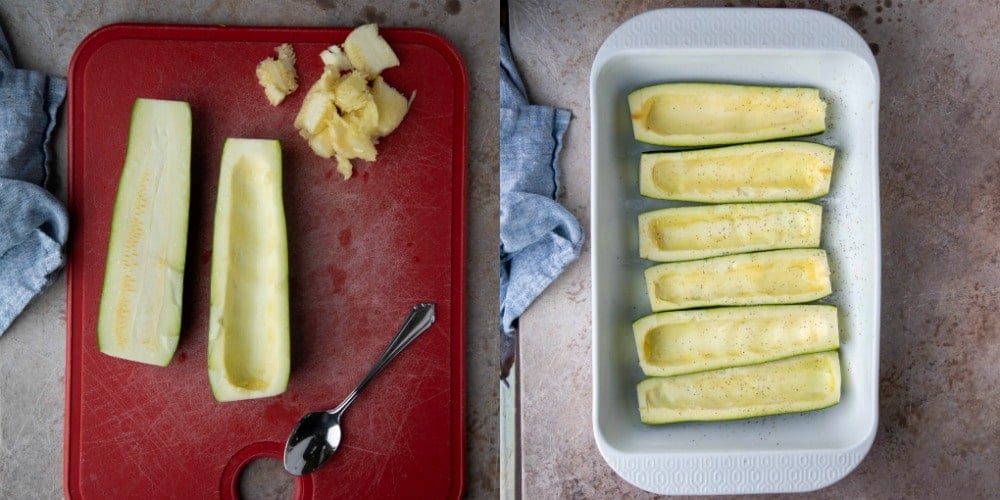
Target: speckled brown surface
[(939, 429), (44, 34)]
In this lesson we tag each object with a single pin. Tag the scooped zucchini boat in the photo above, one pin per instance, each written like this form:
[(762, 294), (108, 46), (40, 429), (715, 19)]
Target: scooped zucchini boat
[(769, 171), (800, 383), (248, 329), (140, 311), (774, 277), (705, 114), (699, 232), (679, 342)]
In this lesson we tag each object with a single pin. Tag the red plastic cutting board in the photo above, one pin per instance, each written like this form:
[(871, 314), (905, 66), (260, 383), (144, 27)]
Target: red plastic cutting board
[(361, 253)]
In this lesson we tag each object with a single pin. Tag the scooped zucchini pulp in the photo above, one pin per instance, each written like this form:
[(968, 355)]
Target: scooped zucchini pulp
[(350, 107), (140, 310), (248, 331), (704, 114)]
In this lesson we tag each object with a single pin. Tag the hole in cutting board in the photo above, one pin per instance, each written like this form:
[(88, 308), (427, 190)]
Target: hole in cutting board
[(266, 479)]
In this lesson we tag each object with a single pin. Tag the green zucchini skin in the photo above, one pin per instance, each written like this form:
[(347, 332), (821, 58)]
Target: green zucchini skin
[(680, 342), (700, 232), (764, 172), (796, 384), (774, 277), (706, 114), (140, 311)]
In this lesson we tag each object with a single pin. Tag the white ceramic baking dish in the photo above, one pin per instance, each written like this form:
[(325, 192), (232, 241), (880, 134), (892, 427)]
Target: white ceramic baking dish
[(784, 47)]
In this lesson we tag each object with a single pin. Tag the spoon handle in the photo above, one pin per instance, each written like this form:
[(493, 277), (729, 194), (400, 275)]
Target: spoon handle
[(421, 317)]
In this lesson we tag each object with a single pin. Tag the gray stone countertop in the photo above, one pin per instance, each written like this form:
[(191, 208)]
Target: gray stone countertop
[(44, 34), (939, 424)]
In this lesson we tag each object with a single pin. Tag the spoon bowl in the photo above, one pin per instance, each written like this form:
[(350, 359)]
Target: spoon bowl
[(317, 435), (314, 440)]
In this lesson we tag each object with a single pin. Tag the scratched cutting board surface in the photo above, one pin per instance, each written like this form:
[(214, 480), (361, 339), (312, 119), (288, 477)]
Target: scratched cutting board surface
[(361, 253)]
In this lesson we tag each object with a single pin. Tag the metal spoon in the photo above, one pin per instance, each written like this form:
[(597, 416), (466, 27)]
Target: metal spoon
[(317, 434)]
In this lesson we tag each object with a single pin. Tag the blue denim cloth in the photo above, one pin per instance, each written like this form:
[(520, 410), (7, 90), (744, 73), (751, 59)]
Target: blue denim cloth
[(538, 237), (33, 223)]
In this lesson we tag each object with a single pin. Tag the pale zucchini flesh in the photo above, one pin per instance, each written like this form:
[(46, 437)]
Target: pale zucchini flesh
[(796, 384), (773, 277), (140, 309), (699, 232), (770, 171), (704, 114), (679, 342), (248, 331)]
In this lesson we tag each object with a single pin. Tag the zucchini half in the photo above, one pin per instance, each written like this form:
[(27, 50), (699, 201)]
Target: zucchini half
[(770, 171), (800, 383), (774, 277), (679, 342), (699, 232), (248, 330), (705, 114), (140, 311)]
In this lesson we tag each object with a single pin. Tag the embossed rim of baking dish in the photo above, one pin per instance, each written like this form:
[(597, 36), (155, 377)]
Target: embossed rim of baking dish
[(784, 453)]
